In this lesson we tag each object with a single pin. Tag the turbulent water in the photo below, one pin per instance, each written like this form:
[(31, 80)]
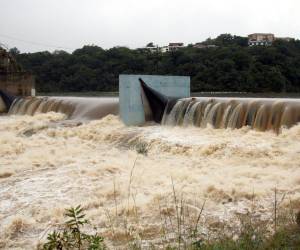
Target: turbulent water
[(259, 114), (48, 163), (73, 107)]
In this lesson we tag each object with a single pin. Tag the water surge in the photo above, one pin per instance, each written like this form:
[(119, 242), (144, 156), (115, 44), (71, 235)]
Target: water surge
[(73, 107), (259, 114)]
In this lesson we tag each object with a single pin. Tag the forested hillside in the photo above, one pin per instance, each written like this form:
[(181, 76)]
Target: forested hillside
[(232, 66)]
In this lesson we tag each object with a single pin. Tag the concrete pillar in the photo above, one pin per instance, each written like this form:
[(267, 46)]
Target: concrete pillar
[(131, 104)]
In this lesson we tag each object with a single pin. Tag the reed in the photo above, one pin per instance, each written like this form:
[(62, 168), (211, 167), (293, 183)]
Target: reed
[(182, 225)]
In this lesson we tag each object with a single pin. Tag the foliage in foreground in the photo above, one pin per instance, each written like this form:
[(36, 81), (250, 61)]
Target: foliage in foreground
[(251, 237), (71, 235), (285, 238)]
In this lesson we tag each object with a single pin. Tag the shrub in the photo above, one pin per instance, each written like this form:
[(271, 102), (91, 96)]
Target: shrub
[(70, 236), (141, 148)]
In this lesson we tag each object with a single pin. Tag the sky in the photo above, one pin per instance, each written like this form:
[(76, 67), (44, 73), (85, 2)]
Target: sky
[(38, 25)]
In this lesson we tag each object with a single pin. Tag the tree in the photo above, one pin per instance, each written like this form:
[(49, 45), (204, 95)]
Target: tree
[(232, 66), (14, 51), (150, 44)]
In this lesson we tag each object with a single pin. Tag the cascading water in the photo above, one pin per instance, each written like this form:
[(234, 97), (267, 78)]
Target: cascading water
[(47, 164), (72, 107), (259, 114)]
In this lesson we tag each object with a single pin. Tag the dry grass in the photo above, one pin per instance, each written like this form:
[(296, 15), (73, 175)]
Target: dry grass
[(18, 225), (183, 226), (11, 232), (180, 224)]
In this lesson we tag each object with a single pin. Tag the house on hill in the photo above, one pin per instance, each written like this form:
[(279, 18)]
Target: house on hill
[(265, 39), (13, 79), (172, 47), (261, 39)]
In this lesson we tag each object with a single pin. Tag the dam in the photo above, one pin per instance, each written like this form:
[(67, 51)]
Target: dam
[(79, 108), (257, 113), (227, 153)]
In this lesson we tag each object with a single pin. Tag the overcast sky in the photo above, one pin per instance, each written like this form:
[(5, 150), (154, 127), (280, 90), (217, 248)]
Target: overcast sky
[(73, 23)]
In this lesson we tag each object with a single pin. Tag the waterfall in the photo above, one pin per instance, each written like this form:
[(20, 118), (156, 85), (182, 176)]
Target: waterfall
[(259, 114), (73, 107)]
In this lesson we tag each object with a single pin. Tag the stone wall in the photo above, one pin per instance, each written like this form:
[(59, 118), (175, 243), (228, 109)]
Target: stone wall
[(19, 84), (13, 79)]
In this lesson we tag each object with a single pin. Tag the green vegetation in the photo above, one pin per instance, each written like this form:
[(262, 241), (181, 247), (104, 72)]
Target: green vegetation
[(70, 236), (141, 148), (252, 235), (251, 239), (182, 226), (232, 66)]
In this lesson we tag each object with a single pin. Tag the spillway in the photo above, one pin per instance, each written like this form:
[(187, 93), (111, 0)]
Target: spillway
[(80, 108), (257, 113)]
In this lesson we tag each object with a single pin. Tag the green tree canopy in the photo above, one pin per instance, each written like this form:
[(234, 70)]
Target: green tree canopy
[(231, 66)]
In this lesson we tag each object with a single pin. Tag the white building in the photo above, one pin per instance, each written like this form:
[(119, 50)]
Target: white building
[(152, 49), (263, 39), (172, 47), (164, 49)]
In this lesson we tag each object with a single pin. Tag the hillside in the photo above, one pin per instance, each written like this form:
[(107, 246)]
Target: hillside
[(231, 66)]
